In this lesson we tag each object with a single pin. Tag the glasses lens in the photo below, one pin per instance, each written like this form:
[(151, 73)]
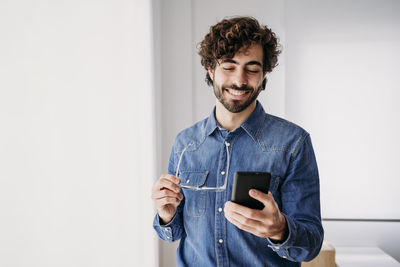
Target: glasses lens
[(197, 180)]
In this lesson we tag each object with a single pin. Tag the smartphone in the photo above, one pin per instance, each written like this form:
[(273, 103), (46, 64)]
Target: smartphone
[(243, 182)]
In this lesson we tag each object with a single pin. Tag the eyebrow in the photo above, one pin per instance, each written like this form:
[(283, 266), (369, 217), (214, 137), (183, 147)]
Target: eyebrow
[(253, 62)]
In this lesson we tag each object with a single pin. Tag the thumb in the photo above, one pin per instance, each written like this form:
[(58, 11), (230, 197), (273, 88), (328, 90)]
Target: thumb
[(261, 196)]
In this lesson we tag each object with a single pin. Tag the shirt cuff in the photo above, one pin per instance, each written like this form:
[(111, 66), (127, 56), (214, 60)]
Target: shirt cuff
[(165, 230), (282, 248)]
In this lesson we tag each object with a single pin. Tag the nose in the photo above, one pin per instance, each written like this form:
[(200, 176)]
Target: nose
[(240, 78)]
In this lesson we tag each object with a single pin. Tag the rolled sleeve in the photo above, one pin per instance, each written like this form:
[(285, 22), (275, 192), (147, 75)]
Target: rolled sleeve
[(282, 248), (301, 206), (169, 232)]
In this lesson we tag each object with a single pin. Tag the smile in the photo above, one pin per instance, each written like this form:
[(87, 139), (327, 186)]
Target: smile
[(236, 92)]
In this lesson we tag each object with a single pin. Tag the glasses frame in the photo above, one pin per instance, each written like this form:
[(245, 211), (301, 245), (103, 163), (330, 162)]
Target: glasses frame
[(205, 188)]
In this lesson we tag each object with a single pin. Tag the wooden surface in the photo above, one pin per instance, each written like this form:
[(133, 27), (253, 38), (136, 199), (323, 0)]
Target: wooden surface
[(325, 258)]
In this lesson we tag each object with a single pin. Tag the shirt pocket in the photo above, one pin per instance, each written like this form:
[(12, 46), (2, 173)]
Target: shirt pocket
[(195, 200), (273, 185)]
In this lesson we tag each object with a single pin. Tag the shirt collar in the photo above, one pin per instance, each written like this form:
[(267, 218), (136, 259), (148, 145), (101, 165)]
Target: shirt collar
[(251, 125), (212, 124), (255, 121)]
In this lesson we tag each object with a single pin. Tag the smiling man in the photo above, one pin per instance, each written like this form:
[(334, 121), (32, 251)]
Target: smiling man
[(193, 199)]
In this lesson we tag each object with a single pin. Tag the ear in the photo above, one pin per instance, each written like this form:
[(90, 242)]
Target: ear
[(211, 73), (264, 82)]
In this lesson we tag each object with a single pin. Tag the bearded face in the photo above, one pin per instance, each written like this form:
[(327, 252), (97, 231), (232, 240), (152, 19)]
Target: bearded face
[(237, 81)]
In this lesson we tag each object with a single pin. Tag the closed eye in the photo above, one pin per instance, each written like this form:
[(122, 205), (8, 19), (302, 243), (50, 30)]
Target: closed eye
[(253, 71)]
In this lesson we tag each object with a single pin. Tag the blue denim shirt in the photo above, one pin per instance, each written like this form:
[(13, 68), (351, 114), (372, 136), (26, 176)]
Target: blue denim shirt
[(262, 143)]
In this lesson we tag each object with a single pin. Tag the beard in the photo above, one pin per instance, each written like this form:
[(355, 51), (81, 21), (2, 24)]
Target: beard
[(233, 105)]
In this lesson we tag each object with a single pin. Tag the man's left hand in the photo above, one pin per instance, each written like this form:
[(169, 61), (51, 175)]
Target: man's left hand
[(268, 222)]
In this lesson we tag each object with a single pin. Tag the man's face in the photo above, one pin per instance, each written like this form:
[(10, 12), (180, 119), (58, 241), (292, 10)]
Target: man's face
[(238, 81)]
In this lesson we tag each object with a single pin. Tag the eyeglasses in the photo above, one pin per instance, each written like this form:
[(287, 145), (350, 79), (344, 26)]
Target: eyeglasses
[(219, 188)]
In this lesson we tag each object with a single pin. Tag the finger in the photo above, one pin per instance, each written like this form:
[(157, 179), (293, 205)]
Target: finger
[(166, 193), (244, 211), (240, 225), (167, 200), (168, 184), (172, 178), (243, 219)]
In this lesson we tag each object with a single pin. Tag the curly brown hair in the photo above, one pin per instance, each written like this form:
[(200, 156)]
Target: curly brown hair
[(230, 35)]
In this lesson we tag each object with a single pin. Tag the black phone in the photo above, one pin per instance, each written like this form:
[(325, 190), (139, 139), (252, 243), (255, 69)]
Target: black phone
[(243, 182)]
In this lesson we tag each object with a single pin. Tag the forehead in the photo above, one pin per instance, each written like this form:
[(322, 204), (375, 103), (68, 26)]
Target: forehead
[(253, 52)]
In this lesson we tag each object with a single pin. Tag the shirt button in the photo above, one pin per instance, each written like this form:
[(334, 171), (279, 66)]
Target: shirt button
[(222, 172), (220, 209), (187, 181), (221, 241), (227, 144), (277, 248), (284, 257)]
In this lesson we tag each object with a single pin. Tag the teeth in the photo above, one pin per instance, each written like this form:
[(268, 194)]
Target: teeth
[(236, 92)]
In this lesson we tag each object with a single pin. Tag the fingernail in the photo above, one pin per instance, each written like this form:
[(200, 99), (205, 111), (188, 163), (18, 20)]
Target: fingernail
[(253, 192)]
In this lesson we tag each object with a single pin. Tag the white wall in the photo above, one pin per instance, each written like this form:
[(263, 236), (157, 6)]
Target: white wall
[(337, 71), (342, 84), (382, 234), (76, 133)]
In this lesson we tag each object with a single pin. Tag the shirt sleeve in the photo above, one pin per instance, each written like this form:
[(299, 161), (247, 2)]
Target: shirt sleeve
[(300, 195), (174, 229)]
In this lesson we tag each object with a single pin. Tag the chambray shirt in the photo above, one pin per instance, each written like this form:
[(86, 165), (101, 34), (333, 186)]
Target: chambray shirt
[(263, 143)]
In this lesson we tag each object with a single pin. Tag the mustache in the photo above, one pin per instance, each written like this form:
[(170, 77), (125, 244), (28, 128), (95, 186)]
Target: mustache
[(242, 88)]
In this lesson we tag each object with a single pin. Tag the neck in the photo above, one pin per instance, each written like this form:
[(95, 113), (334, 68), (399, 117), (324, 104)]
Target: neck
[(230, 121)]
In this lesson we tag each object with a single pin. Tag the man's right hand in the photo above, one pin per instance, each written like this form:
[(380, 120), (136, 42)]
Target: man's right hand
[(166, 195)]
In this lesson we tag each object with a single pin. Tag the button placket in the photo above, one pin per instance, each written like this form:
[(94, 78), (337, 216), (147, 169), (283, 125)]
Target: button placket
[(220, 198)]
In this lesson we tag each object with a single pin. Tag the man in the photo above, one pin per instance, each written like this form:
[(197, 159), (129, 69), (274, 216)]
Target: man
[(193, 199)]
